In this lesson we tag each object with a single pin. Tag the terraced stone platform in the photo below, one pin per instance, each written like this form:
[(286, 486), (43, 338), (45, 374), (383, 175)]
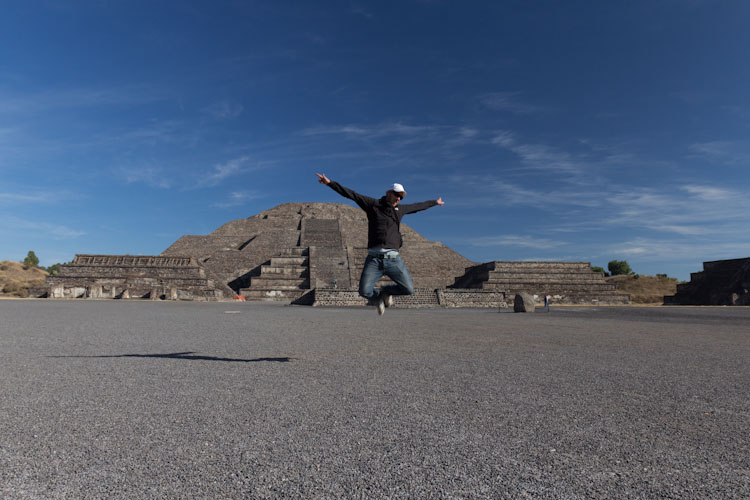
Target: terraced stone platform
[(563, 282), (721, 283), (128, 276)]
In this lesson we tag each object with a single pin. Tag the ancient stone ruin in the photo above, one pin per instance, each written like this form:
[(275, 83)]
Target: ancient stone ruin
[(132, 276), (721, 283), (313, 253), (562, 282)]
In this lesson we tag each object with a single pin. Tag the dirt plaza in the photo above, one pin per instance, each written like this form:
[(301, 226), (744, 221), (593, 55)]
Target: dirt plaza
[(140, 399)]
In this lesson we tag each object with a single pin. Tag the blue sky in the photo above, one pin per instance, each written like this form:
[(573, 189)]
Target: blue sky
[(576, 130)]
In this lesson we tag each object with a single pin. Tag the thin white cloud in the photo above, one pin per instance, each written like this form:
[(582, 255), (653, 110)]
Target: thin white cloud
[(56, 231), (726, 152), (489, 190), (224, 110), (395, 129), (231, 168), (660, 249), (38, 101), (507, 101), (150, 175), (223, 170), (38, 197), (51, 196), (359, 10), (511, 240), (237, 198), (156, 132), (539, 156), (710, 193)]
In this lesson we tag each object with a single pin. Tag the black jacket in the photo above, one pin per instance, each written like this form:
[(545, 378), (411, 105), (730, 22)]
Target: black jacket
[(383, 219)]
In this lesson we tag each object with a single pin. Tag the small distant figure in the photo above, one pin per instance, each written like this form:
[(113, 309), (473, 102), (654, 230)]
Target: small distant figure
[(383, 241), (546, 302)]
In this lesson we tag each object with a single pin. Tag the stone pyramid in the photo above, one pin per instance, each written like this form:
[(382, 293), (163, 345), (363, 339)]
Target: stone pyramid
[(282, 252)]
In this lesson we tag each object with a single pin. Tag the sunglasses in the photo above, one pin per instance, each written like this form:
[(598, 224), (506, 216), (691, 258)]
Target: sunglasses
[(400, 196)]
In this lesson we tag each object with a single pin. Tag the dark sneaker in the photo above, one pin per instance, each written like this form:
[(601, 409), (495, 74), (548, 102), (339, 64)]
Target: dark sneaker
[(380, 305)]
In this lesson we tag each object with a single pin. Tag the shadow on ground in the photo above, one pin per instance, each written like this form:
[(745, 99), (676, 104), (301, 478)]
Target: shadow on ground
[(189, 355)]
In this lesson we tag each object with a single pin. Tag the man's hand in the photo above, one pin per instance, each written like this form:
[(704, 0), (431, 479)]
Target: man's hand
[(323, 179), (440, 201)]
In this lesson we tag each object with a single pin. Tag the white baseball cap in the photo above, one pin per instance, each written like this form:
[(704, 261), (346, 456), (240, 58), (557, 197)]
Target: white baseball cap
[(398, 188)]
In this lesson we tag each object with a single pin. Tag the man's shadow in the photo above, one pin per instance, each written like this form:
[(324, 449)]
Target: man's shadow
[(189, 355)]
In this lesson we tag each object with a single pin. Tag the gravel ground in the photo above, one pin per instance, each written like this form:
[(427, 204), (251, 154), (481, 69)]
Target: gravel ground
[(157, 400)]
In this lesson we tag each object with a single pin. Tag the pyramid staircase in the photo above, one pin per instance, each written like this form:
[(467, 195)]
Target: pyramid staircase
[(564, 282), (284, 278)]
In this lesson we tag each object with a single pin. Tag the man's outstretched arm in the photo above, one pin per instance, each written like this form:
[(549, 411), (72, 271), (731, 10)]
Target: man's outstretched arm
[(363, 201), (410, 208)]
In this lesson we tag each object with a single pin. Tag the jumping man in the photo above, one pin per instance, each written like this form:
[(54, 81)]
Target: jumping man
[(383, 241)]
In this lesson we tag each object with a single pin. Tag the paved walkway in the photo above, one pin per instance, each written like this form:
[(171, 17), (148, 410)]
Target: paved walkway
[(119, 399)]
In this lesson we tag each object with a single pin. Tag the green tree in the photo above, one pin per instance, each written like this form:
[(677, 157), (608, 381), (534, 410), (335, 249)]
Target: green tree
[(619, 267), (599, 269), (31, 260), (54, 269)]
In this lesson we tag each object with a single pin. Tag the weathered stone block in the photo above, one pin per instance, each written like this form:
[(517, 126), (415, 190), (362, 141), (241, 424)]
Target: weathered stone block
[(524, 302)]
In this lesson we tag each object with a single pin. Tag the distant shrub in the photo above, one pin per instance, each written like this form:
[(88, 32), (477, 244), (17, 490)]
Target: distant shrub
[(31, 260), (617, 267), (3, 267), (599, 269), (662, 276), (54, 269)]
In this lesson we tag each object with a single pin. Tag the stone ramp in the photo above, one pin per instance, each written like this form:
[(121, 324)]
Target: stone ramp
[(722, 282), (564, 282)]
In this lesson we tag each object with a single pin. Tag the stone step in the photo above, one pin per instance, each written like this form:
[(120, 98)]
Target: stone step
[(263, 294), (279, 283), (271, 271), (543, 266), (294, 252), (591, 298), (292, 261), (686, 287), (536, 283), (531, 276), (536, 287)]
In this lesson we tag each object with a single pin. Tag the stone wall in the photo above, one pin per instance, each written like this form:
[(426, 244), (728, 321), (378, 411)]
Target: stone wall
[(454, 297), (422, 297)]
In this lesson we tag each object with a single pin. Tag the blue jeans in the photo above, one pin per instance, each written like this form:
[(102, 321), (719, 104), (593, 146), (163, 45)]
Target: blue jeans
[(394, 268)]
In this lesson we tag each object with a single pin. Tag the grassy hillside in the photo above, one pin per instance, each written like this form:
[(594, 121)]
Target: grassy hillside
[(644, 289), (15, 281)]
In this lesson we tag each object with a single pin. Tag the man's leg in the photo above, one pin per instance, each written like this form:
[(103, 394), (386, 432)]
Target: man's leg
[(371, 273), (396, 270)]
